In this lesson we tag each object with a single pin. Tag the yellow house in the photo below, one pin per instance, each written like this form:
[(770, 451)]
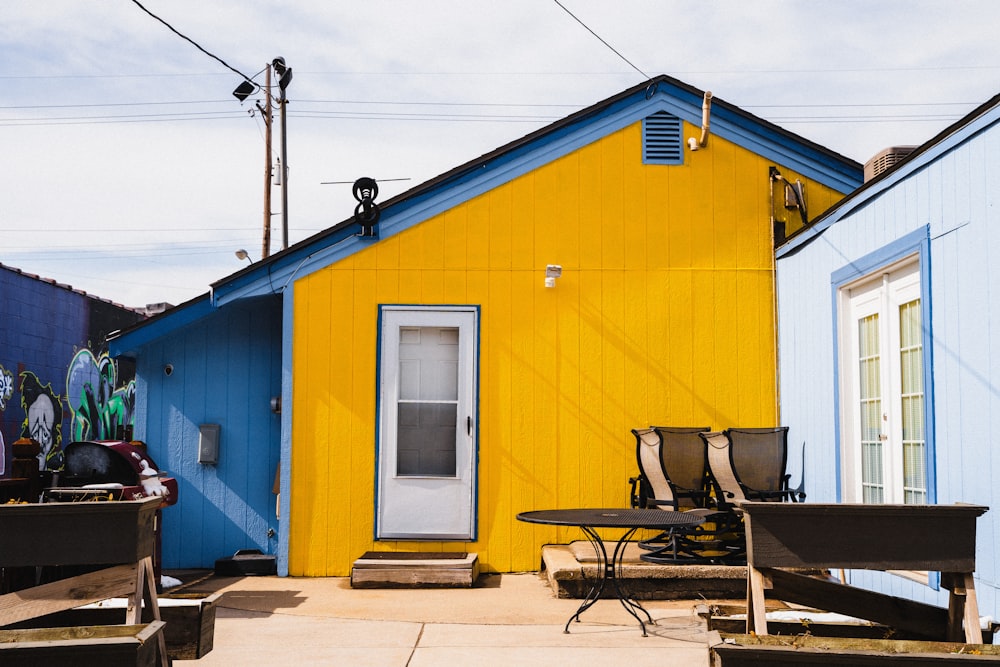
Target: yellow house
[(484, 347)]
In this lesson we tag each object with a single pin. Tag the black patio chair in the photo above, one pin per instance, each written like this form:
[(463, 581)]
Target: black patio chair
[(672, 468), (758, 457), (713, 541)]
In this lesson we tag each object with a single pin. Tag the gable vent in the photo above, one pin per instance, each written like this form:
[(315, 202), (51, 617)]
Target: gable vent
[(662, 141)]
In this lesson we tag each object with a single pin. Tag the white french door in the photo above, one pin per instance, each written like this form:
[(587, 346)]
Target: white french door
[(883, 439), (427, 430)]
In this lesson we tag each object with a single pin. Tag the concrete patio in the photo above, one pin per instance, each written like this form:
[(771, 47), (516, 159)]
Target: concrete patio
[(511, 619)]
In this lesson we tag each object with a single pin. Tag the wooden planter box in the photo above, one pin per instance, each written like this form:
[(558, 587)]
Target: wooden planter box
[(785, 536), (874, 537), (189, 631), (83, 533), (85, 646), (728, 650)]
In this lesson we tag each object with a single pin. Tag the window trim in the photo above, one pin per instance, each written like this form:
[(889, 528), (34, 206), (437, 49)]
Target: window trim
[(915, 243)]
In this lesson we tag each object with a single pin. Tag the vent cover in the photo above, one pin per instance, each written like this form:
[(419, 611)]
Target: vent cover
[(662, 140), (885, 159)]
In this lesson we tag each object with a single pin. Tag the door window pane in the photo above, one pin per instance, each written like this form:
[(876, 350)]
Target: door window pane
[(427, 410), (870, 407), (911, 362), (426, 439)]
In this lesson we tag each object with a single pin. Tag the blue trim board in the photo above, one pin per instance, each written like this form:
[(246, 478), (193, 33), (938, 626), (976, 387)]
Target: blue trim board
[(837, 458), (378, 418), (285, 481), (475, 452), (917, 241), (129, 341)]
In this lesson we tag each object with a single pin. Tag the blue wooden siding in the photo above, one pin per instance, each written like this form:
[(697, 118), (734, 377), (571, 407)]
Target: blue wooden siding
[(226, 369), (955, 196)]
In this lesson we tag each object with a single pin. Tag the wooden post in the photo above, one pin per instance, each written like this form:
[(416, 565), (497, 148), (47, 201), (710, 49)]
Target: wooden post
[(265, 250)]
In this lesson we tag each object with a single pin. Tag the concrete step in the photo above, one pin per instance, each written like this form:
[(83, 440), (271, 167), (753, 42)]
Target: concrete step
[(572, 568), (380, 569)]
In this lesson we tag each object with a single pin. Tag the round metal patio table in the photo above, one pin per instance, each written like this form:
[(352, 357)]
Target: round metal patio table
[(589, 520)]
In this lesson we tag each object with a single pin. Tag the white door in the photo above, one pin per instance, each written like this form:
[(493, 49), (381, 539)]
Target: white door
[(882, 373), (427, 427)]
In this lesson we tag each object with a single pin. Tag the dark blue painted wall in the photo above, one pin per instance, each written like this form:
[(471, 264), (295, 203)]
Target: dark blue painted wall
[(53, 351)]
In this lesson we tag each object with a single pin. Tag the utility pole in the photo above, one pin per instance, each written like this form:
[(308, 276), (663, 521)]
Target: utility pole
[(284, 78), (243, 91), (266, 245)]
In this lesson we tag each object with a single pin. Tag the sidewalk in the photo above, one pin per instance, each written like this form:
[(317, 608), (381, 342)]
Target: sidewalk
[(511, 619)]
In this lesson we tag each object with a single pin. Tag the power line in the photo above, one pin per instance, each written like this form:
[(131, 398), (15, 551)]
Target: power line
[(111, 104), (524, 105), (194, 43), (108, 119), (396, 73), (616, 52)]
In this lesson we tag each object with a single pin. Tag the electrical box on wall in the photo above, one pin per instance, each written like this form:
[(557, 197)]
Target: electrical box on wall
[(208, 443)]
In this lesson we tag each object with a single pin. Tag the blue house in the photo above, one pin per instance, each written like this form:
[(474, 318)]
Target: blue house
[(889, 355)]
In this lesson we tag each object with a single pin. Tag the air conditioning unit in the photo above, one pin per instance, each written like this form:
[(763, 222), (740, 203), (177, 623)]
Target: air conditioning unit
[(885, 159)]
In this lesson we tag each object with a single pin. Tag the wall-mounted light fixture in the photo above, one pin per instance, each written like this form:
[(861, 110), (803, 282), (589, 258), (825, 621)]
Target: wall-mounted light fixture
[(243, 254), (552, 271), (795, 194)]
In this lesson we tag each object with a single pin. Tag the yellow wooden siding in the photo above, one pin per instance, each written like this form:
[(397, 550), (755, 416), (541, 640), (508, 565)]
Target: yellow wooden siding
[(664, 314)]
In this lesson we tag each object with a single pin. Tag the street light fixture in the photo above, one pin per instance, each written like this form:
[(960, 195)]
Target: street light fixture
[(245, 90)]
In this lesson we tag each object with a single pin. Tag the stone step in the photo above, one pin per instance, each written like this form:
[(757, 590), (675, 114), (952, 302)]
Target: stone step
[(571, 569), (429, 569)]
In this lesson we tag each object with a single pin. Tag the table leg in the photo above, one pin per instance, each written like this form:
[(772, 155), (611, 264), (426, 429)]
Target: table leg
[(596, 588), (610, 570), (617, 573)]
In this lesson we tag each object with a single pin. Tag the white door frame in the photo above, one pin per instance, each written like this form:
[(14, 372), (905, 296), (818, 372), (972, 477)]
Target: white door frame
[(427, 506), (877, 295)]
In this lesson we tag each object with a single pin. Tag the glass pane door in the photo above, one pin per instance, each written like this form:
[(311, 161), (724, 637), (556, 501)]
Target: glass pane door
[(883, 443)]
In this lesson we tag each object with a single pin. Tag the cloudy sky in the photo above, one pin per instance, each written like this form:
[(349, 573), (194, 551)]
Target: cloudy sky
[(129, 171)]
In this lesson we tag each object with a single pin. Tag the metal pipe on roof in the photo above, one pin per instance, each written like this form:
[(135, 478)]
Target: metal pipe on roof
[(706, 109)]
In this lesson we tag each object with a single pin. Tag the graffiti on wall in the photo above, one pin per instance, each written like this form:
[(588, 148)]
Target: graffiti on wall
[(6, 387), (100, 409), (43, 420), (6, 393)]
